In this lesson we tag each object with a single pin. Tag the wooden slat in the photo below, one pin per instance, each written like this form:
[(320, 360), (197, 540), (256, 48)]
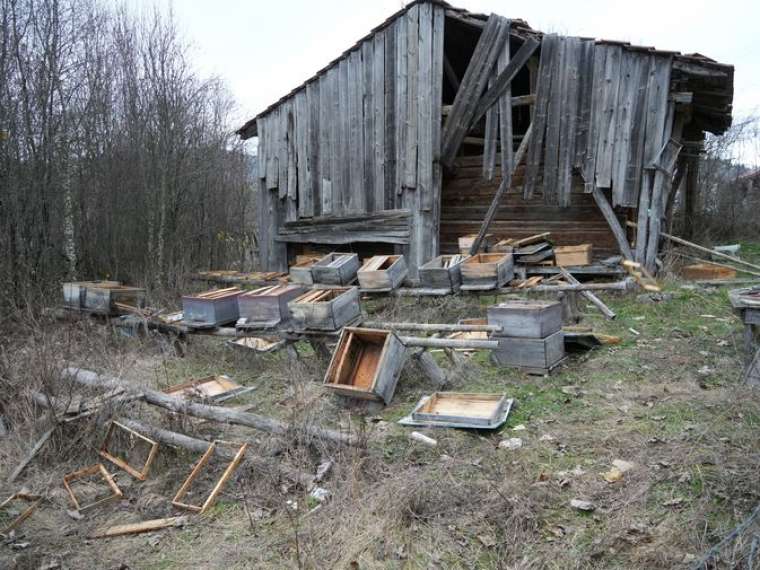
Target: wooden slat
[(595, 118), (570, 88), (491, 134), (606, 135), (424, 148), (543, 90), (505, 116), (585, 96), (343, 196), (390, 123), (315, 203), (368, 113), (431, 245), (635, 161), (554, 123), (336, 146), (630, 70), (378, 90), (614, 223), (413, 49), (356, 197)]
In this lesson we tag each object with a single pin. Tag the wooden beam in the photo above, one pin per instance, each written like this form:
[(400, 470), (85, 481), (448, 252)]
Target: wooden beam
[(430, 327), (589, 296), (612, 220), (504, 79), (506, 183), (448, 343)]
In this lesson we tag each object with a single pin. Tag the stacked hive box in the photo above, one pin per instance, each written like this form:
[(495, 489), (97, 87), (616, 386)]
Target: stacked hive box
[(531, 335)]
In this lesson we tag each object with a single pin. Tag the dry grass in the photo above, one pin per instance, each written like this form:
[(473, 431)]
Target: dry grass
[(667, 401)]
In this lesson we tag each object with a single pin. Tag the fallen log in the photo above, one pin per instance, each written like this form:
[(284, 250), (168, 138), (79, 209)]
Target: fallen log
[(589, 296), (215, 413)]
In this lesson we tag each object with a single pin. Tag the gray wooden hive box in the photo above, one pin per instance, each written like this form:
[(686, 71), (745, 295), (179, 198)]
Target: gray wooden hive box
[(486, 271), (526, 318), (102, 297), (335, 268), (382, 272), (325, 309), (442, 272), (300, 272), (267, 305), (212, 308), (532, 355), (366, 364)]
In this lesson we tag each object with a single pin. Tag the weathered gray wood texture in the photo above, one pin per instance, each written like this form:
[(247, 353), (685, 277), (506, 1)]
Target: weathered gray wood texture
[(530, 319), (362, 137), (338, 308), (531, 353)]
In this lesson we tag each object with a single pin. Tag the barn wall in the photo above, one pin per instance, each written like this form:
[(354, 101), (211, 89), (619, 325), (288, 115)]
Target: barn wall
[(467, 196), (362, 138)]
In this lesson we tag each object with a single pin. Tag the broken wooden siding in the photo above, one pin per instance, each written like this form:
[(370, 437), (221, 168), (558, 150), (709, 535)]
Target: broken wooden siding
[(358, 140), (599, 107), (466, 198)]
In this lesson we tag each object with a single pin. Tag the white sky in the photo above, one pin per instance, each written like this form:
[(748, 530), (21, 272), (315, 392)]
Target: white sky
[(264, 48)]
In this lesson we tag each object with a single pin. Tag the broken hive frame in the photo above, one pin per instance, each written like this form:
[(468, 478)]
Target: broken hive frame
[(34, 501), (140, 474), (97, 469), (205, 458)]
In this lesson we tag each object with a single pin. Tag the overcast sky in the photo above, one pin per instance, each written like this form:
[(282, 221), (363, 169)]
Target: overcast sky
[(262, 49)]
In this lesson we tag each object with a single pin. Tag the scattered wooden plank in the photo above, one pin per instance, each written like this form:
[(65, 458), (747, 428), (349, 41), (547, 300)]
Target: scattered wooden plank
[(141, 527), (32, 453), (34, 502)]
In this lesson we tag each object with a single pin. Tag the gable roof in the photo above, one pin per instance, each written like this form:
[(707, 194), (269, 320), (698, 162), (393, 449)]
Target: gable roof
[(710, 83)]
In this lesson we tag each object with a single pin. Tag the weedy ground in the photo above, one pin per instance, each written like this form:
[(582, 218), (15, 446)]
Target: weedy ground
[(668, 400)]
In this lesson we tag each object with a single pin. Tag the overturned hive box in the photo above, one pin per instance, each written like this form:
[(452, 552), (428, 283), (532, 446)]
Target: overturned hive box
[(526, 318), (532, 355), (325, 309), (336, 268), (572, 255), (442, 272), (366, 364), (267, 305), (212, 308), (102, 297), (382, 272), (461, 409), (300, 271), (487, 271)]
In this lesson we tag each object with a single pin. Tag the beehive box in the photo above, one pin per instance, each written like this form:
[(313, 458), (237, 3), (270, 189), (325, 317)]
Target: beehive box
[(487, 271), (102, 297), (523, 318), (571, 255), (442, 272), (533, 355), (212, 308), (476, 410), (335, 269), (366, 364), (267, 305), (325, 309), (300, 271), (382, 272), (465, 243)]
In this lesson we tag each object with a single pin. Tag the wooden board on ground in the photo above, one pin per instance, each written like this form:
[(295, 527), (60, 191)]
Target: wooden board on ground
[(141, 527), (257, 344)]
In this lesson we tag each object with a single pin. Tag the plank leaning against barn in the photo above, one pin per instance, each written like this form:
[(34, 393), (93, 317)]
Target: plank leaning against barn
[(506, 140), (312, 96), (378, 93), (409, 125), (368, 61)]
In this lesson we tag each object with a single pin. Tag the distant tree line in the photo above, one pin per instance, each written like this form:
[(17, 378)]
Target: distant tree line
[(116, 158)]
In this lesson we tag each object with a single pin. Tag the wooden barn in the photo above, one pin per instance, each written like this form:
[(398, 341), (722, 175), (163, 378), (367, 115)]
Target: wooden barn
[(440, 119)]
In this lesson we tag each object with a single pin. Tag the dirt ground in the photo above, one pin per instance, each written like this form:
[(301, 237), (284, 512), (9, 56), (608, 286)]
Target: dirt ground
[(667, 400)]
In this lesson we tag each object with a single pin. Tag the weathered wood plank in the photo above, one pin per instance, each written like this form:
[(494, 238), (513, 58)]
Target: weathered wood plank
[(378, 90), (424, 120), (368, 113), (614, 223), (336, 144), (312, 150), (570, 87), (505, 116), (413, 50), (585, 96), (390, 124), (356, 197), (325, 142), (630, 70), (595, 119), (291, 194), (635, 161), (344, 190), (540, 111), (431, 245), (606, 135), (553, 123), (491, 134)]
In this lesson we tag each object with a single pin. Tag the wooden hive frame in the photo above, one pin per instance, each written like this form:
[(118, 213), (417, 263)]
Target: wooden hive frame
[(34, 501), (202, 462), (366, 364), (139, 474), (97, 469)]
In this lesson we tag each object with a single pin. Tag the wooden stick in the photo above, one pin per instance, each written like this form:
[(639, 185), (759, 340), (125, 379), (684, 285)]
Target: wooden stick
[(448, 342), (703, 249), (506, 183), (588, 295), (612, 221), (701, 260), (214, 413), (144, 526), (430, 327), (29, 456)]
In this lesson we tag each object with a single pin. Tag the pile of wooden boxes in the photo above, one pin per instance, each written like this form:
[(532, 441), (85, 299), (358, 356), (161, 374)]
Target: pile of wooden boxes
[(531, 335), (102, 297)]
